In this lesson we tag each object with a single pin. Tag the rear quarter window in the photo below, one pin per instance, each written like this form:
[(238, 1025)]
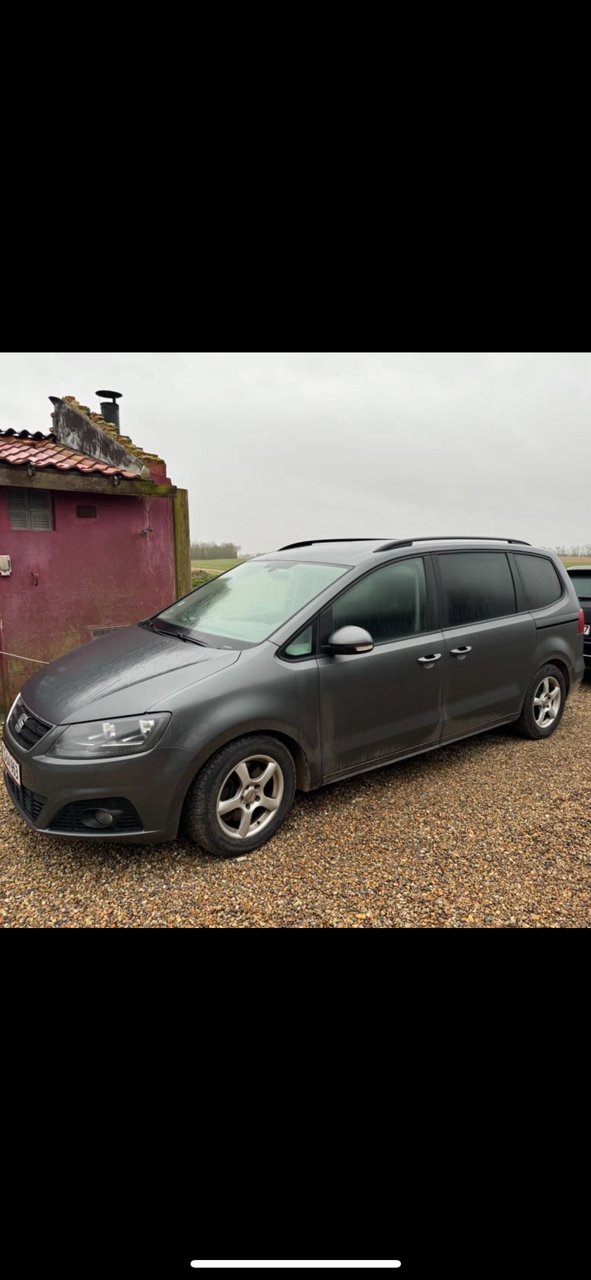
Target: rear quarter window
[(541, 582), (582, 584)]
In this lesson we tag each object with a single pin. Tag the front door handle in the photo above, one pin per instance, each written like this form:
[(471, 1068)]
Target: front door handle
[(428, 662), (462, 653)]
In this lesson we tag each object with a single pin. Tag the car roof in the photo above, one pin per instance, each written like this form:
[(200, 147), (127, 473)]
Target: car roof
[(351, 550), (338, 551)]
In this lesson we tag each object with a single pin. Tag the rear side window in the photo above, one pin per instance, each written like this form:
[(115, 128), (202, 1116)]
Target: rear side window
[(390, 603), (582, 584), (540, 581), (476, 586)]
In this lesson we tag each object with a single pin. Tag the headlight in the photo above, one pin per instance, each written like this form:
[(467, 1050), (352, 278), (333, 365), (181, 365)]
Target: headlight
[(104, 738)]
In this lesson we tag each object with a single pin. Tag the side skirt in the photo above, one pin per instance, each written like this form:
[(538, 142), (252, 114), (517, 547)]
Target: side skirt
[(408, 755)]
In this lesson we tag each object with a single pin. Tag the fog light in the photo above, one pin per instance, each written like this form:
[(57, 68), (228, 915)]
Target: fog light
[(104, 817), (97, 818)]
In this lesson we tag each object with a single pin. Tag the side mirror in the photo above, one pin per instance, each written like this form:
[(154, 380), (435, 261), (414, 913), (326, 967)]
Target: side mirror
[(350, 640)]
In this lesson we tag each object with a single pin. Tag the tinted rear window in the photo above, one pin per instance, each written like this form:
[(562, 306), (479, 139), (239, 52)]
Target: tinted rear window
[(540, 581), (582, 584), (477, 585)]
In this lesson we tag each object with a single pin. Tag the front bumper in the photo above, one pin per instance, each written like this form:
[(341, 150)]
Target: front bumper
[(154, 783)]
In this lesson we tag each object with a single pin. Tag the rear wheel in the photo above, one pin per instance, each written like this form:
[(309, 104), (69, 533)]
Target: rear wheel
[(241, 796), (544, 704)]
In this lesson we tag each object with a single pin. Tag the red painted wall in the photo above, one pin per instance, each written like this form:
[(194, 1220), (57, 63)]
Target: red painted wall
[(90, 573)]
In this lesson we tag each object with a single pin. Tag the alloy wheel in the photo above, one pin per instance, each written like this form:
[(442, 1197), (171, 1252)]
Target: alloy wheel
[(547, 700), (249, 796)]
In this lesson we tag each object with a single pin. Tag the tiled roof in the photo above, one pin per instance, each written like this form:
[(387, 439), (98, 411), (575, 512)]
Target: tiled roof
[(21, 447)]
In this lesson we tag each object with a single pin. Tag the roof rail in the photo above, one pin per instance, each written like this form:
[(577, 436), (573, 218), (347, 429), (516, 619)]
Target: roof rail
[(452, 537), (312, 542)]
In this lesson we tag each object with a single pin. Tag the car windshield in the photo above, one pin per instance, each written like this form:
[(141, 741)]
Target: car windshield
[(582, 584), (247, 604)]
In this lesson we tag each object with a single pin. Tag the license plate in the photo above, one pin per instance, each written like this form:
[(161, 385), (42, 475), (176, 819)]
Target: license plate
[(588, 630), (12, 765)]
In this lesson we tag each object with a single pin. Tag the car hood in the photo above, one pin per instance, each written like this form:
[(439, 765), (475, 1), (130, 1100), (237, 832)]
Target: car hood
[(125, 673)]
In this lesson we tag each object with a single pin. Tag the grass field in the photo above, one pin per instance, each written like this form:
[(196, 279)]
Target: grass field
[(214, 566), (568, 560)]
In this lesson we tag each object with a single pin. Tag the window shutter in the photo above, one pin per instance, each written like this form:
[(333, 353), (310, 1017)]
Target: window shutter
[(40, 508), (18, 514), (29, 509)]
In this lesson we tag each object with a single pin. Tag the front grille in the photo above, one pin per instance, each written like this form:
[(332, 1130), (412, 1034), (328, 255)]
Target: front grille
[(31, 730), (27, 801), (70, 818)]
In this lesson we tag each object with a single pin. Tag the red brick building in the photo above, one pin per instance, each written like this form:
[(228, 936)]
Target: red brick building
[(93, 536)]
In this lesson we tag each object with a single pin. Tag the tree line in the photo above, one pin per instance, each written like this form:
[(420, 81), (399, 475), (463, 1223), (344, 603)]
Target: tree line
[(579, 549), (215, 550)]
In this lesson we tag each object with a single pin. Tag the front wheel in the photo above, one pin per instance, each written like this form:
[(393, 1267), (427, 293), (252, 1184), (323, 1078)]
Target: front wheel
[(241, 796), (544, 704)]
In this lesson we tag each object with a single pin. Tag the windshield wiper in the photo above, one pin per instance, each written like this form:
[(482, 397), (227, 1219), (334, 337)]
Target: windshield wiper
[(178, 635), (190, 639)]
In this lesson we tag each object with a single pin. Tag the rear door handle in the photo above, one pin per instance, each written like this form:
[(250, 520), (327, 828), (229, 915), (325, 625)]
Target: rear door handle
[(462, 653), (433, 657)]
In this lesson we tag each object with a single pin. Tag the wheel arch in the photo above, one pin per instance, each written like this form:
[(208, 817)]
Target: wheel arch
[(556, 648), (559, 661), (305, 780)]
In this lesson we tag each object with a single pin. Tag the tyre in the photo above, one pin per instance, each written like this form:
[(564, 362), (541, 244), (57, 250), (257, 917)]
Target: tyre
[(544, 704), (241, 796)]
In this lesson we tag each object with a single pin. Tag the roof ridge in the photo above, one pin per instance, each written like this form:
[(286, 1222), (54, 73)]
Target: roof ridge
[(25, 434), (110, 430)]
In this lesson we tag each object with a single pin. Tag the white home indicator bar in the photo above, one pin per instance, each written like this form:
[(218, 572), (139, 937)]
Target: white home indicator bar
[(296, 1264)]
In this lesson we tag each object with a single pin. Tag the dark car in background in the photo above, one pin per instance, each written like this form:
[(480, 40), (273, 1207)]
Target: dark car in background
[(297, 668), (580, 575)]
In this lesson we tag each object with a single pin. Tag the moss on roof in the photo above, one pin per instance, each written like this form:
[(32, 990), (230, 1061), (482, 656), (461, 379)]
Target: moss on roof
[(110, 430)]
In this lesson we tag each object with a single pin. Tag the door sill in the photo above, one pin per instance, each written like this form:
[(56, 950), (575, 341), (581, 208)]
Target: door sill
[(384, 761), (481, 728)]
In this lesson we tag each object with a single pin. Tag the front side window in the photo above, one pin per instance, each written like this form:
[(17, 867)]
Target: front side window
[(540, 581), (29, 509), (250, 602), (390, 603), (476, 586)]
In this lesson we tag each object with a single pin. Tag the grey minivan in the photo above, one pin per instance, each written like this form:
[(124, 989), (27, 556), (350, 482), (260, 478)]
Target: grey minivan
[(297, 668)]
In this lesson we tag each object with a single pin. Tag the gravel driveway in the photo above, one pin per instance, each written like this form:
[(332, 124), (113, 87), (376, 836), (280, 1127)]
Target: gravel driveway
[(494, 832)]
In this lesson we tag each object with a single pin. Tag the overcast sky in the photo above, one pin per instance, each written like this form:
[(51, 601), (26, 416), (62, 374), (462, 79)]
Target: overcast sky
[(277, 447)]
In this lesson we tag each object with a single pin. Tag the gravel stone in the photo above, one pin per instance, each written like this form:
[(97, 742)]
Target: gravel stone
[(492, 833)]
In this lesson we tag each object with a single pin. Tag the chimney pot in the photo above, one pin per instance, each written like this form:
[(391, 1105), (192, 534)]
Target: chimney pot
[(110, 408)]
